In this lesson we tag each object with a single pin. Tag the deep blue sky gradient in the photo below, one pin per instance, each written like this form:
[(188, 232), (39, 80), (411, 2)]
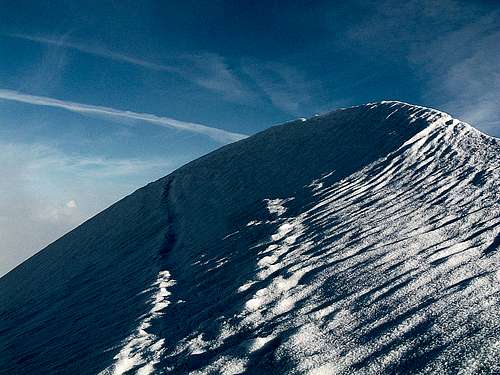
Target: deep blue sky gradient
[(339, 54)]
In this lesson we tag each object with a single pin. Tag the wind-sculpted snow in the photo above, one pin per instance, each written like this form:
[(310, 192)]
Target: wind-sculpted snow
[(142, 350), (391, 270), (364, 241)]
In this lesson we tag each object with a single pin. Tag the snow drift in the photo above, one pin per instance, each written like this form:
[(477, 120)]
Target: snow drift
[(362, 241)]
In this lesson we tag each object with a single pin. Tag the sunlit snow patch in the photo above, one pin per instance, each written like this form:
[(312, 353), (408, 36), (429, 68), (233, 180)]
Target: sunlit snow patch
[(276, 206), (387, 270), (143, 349)]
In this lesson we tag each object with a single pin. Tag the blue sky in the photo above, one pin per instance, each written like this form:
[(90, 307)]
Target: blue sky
[(98, 98)]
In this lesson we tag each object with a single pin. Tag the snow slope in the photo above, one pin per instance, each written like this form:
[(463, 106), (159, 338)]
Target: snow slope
[(362, 241)]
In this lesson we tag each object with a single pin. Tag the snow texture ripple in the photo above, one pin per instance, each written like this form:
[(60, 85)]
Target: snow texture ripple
[(364, 241), (143, 349)]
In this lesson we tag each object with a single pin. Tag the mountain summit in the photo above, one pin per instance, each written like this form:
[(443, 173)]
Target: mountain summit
[(363, 241)]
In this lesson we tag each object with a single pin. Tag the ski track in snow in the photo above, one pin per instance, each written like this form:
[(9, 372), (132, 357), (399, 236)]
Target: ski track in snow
[(391, 261), (143, 349)]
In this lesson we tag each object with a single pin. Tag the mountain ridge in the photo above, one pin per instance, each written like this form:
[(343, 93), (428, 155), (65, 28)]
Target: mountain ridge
[(241, 196)]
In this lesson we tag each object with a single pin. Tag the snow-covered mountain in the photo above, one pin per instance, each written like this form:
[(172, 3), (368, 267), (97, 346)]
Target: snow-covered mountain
[(364, 241)]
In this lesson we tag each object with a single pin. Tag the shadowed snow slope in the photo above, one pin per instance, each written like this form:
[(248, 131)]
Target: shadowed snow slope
[(362, 241)]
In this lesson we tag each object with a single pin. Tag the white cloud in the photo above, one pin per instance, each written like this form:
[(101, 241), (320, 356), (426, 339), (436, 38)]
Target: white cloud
[(463, 67), (63, 42), (218, 135), (71, 204), (283, 85), (451, 46), (212, 72), (207, 70), (44, 193)]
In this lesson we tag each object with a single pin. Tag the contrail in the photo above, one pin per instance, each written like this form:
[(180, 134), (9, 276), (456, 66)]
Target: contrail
[(218, 135), (97, 52), (214, 76)]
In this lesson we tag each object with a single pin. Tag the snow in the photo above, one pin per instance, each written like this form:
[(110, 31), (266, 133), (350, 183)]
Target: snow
[(390, 256), (142, 350), (276, 206), (362, 241)]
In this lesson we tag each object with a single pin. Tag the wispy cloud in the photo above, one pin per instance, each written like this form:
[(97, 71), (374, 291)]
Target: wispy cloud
[(46, 72), (47, 192), (92, 167), (283, 85), (96, 51), (207, 70), (452, 46), (212, 72), (463, 67), (219, 135)]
